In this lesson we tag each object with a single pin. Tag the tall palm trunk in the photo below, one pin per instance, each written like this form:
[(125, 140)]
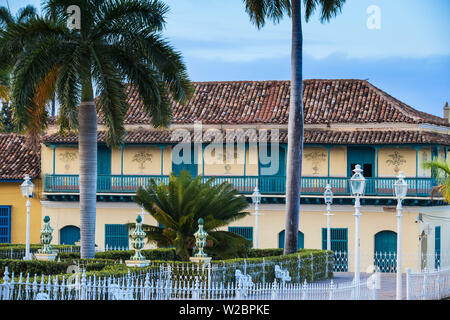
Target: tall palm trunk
[(87, 117), (295, 133)]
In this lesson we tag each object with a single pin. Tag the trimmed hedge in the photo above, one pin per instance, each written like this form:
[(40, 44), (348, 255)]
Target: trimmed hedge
[(49, 267), (313, 264), (151, 254)]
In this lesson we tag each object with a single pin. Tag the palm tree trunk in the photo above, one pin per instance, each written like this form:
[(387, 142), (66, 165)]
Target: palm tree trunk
[(295, 133), (87, 117)]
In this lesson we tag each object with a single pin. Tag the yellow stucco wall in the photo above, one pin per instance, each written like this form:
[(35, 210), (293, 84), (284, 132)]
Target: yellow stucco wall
[(141, 160), (338, 162), (393, 160), (312, 220), (68, 214), (234, 165), (315, 162), (11, 195)]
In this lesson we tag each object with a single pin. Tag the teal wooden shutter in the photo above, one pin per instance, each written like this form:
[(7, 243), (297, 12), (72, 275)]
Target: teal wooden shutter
[(274, 183), (69, 235), (386, 251), (191, 167), (437, 246), (339, 245), (300, 241), (246, 232), (116, 236), (103, 169), (5, 224)]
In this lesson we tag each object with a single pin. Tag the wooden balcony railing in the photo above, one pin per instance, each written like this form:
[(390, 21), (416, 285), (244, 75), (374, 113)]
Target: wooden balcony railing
[(417, 187)]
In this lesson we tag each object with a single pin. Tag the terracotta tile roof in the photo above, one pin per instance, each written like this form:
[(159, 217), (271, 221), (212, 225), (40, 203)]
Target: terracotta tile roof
[(249, 102), (246, 102), (16, 159), (312, 136)]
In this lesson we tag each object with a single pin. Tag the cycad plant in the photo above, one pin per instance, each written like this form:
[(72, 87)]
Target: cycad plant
[(118, 41), (274, 10), (177, 207), (441, 172)]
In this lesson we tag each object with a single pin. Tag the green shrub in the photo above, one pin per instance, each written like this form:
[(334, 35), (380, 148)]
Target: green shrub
[(151, 254), (33, 267)]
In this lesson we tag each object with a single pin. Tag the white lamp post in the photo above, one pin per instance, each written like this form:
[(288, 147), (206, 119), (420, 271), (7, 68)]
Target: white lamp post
[(256, 199), (357, 183), (328, 196), (27, 188), (401, 189)]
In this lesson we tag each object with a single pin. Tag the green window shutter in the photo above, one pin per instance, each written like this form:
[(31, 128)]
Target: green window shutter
[(300, 240), (246, 232), (116, 235), (339, 244), (437, 246), (339, 239), (5, 224)]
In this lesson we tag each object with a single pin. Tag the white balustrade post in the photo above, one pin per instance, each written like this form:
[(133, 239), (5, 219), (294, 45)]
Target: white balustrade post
[(328, 227), (357, 240), (6, 284), (27, 245), (374, 287), (399, 293), (425, 284), (331, 288), (408, 284)]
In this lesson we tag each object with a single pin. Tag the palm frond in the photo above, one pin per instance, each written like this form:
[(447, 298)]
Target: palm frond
[(6, 17), (112, 96), (26, 13)]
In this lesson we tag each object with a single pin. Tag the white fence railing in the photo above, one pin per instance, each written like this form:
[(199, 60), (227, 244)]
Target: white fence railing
[(386, 262), (148, 287), (18, 254), (428, 284)]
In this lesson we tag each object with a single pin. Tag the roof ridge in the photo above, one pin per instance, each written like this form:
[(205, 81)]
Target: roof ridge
[(402, 106)]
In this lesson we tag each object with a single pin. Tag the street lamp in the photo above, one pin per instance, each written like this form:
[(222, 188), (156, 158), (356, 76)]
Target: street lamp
[(328, 196), (256, 199), (27, 188), (357, 183), (401, 189)]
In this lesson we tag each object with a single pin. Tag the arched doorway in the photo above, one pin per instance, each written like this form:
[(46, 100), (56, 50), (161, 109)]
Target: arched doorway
[(300, 242), (385, 254), (69, 235)]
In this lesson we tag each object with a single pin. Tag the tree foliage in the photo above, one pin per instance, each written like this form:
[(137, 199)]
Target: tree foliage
[(441, 172), (119, 42), (178, 205)]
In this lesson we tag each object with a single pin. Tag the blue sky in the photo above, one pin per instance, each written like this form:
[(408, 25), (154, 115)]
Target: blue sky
[(409, 56)]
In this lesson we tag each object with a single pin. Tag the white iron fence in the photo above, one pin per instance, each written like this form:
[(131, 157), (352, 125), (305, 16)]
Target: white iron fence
[(428, 284), (386, 262), (154, 287), (18, 254)]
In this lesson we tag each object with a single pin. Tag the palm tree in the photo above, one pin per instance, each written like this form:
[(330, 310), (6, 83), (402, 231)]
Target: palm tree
[(7, 18), (119, 41), (23, 15), (178, 206), (275, 10), (441, 172)]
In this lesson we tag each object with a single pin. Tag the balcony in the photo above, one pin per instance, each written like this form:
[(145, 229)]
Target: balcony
[(313, 186)]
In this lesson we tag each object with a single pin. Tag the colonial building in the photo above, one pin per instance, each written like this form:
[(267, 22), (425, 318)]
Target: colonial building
[(347, 122), (16, 160)]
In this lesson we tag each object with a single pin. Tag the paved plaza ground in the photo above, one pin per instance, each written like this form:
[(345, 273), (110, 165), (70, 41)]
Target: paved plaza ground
[(387, 283)]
